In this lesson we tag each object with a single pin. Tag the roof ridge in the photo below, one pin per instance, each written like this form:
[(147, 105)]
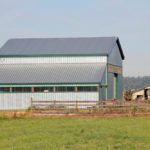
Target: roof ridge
[(64, 37)]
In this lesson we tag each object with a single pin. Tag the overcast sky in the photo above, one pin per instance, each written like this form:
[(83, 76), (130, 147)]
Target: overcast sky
[(127, 19)]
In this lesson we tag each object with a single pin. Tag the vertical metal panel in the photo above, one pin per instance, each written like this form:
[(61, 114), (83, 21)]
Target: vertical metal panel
[(104, 93), (110, 85), (103, 89), (115, 57), (14, 101), (63, 59), (120, 86), (103, 81)]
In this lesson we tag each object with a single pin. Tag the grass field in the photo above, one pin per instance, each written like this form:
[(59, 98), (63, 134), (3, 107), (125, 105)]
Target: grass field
[(75, 133)]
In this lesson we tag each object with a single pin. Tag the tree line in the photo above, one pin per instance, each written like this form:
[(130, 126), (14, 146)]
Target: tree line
[(136, 82)]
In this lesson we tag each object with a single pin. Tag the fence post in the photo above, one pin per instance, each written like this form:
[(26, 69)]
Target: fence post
[(76, 105)]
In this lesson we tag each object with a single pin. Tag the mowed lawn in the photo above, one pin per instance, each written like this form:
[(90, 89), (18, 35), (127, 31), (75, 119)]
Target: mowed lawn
[(75, 133)]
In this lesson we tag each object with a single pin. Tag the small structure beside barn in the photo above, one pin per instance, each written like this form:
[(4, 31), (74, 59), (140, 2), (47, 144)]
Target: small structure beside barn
[(60, 69), (143, 94)]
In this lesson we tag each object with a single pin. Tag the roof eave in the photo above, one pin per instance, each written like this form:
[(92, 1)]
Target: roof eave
[(120, 48)]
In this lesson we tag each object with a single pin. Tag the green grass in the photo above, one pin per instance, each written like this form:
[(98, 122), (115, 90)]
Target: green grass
[(75, 133)]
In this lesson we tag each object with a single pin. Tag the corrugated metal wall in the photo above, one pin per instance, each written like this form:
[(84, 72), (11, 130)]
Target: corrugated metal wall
[(63, 59), (120, 86), (104, 78), (110, 85), (115, 59), (103, 94), (14, 101)]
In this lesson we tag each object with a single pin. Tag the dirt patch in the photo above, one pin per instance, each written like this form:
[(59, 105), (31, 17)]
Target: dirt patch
[(114, 114), (13, 115)]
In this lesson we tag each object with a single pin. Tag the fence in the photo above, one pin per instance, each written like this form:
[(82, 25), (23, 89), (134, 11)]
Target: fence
[(61, 105), (87, 105)]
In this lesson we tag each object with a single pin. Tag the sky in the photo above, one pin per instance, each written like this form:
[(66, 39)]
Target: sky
[(127, 19)]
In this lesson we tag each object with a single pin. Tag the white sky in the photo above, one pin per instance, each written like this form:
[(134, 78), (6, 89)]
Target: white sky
[(128, 19)]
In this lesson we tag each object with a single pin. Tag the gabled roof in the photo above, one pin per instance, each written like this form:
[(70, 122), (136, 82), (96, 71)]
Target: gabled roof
[(137, 90), (56, 73), (54, 46)]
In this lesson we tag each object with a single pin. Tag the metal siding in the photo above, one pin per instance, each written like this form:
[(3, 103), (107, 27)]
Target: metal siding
[(115, 57), (34, 46), (103, 80), (110, 85), (104, 93), (55, 73), (100, 93), (120, 86), (52, 60), (14, 101)]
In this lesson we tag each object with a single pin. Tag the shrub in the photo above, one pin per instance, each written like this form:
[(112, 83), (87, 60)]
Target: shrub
[(128, 95)]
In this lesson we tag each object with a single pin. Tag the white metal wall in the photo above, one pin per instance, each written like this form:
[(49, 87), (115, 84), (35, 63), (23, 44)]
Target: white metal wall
[(63, 59), (16, 101)]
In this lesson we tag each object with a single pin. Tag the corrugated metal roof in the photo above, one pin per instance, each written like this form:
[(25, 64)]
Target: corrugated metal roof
[(42, 46), (51, 73)]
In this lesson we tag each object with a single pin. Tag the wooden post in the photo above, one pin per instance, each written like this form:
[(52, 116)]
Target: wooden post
[(10, 89), (97, 88), (76, 89), (54, 89), (32, 89)]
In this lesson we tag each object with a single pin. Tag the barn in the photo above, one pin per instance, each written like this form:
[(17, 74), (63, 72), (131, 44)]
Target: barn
[(143, 94), (88, 68)]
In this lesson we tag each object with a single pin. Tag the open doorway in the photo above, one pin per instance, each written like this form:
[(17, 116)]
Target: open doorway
[(116, 86)]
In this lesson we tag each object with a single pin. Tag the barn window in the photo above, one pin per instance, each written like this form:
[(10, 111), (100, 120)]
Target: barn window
[(4, 89), (64, 89), (43, 89), (87, 88), (49, 89), (21, 89)]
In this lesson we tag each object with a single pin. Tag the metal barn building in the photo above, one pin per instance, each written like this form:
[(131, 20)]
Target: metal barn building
[(59, 69)]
